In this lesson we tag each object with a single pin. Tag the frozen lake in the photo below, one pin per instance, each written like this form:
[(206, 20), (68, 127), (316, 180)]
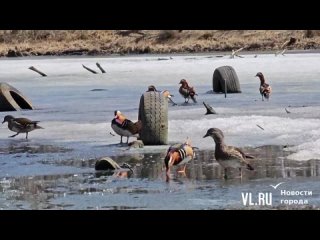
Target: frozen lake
[(55, 167)]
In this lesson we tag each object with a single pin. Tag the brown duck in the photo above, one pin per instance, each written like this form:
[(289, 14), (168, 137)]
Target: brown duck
[(125, 127), (228, 156), (21, 125), (187, 92), (265, 89)]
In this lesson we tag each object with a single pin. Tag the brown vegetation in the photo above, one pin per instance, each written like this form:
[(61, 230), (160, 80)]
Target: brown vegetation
[(104, 42)]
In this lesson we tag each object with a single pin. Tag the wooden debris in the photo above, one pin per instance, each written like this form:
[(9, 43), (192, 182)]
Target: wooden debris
[(36, 70), (210, 110), (260, 127), (101, 69), (89, 69), (235, 52)]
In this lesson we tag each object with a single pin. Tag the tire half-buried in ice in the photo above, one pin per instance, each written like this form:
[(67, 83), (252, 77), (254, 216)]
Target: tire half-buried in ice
[(225, 75), (12, 100), (153, 112)]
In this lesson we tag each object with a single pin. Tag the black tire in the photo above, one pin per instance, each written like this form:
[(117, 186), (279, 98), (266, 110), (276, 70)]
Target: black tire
[(223, 75), (12, 100), (153, 113), (106, 163)]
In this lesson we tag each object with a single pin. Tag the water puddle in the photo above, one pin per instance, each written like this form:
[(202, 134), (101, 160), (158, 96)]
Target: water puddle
[(203, 186)]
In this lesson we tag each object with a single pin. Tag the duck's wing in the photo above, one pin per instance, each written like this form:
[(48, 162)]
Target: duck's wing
[(184, 92), (235, 152), (127, 124), (24, 121), (232, 152), (265, 88), (186, 153), (192, 94), (244, 155), (134, 128), (181, 153)]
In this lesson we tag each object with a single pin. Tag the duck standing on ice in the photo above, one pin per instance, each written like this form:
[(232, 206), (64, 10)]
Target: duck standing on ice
[(265, 88), (125, 127), (187, 92)]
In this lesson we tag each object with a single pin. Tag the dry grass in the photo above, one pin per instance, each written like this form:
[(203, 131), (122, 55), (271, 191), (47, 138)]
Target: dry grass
[(102, 42)]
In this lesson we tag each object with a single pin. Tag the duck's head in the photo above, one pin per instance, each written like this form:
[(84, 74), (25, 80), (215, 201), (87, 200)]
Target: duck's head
[(183, 81), (7, 118), (117, 113), (259, 74), (216, 134), (167, 94), (152, 88)]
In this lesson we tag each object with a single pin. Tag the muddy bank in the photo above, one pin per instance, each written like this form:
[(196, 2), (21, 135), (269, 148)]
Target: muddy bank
[(18, 43)]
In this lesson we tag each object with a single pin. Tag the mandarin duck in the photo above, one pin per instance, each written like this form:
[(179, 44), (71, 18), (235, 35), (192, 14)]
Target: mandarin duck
[(187, 92), (165, 93), (178, 154), (265, 89), (125, 127)]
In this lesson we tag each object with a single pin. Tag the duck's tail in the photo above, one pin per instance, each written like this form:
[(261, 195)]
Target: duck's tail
[(192, 94), (138, 126), (37, 126)]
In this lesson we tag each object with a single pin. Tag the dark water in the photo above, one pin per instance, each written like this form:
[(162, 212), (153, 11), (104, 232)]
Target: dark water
[(203, 187)]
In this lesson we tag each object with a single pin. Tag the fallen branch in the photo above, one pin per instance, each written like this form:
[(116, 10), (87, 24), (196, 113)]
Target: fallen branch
[(281, 52), (260, 127), (235, 52), (36, 70), (101, 69), (89, 69)]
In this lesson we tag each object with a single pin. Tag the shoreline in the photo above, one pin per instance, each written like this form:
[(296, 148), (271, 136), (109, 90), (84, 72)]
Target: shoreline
[(116, 55), (21, 43)]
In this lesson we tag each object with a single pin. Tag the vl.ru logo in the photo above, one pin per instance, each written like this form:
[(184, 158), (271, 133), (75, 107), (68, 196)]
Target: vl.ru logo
[(261, 199), (287, 197)]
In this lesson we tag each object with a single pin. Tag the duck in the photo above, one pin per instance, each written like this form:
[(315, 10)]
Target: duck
[(125, 127), (165, 93), (177, 155), (187, 92), (168, 96), (152, 88), (228, 156), (21, 125), (265, 89)]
